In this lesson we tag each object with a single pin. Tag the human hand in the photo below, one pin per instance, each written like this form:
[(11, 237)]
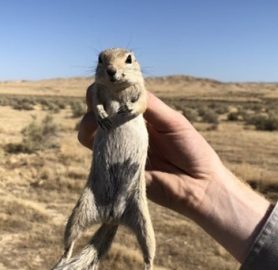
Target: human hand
[(185, 174), (181, 164)]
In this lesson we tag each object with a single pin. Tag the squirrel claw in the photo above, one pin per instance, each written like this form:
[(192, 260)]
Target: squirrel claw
[(124, 109), (105, 123)]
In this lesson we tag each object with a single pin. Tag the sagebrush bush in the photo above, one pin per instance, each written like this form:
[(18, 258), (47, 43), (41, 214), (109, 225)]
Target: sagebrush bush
[(77, 109), (61, 104), (219, 108), (208, 115), (23, 104), (190, 114), (4, 101), (50, 105), (264, 122), (36, 136), (233, 116), (256, 107)]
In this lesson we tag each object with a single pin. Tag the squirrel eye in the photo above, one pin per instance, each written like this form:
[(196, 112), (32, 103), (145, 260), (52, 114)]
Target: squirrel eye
[(128, 59), (100, 60)]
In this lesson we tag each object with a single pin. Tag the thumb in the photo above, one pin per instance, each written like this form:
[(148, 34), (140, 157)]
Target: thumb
[(162, 117)]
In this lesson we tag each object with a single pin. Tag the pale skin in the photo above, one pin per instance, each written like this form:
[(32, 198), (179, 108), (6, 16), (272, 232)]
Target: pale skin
[(186, 175)]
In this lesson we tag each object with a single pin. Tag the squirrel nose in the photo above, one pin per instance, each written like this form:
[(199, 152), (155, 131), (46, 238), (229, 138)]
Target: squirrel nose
[(111, 71)]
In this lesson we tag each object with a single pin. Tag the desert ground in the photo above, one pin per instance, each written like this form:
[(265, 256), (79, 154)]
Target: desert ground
[(43, 168)]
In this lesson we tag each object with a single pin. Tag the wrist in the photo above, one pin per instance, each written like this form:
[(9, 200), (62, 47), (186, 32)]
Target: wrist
[(231, 212)]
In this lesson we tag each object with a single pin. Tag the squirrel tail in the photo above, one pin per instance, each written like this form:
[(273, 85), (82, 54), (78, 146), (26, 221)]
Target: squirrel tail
[(97, 247)]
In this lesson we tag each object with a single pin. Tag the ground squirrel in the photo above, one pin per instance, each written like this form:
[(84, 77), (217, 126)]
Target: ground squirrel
[(115, 192)]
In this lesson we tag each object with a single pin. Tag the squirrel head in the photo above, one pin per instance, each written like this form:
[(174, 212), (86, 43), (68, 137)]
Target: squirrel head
[(118, 68)]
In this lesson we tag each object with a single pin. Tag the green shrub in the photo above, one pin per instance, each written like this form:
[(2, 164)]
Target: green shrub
[(23, 104), (50, 105), (219, 108), (264, 122), (61, 104), (190, 114), (208, 115), (256, 107), (36, 136), (77, 109), (53, 107), (233, 116), (4, 101)]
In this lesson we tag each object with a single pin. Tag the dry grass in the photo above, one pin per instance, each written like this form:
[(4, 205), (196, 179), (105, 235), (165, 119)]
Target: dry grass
[(38, 190), (172, 86)]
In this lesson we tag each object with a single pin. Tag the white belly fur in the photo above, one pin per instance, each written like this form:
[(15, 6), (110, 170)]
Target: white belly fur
[(118, 160)]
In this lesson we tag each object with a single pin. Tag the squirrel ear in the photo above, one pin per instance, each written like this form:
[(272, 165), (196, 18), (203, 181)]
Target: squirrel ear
[(128, 59), (100, 59)]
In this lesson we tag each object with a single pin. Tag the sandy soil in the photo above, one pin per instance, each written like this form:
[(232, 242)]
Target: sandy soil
[(38, 190)]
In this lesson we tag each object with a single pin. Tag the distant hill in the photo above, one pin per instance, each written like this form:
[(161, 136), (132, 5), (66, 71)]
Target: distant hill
[(176, 85)]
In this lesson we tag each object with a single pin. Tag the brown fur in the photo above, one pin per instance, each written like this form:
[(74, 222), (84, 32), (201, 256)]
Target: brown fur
[(115, 192)]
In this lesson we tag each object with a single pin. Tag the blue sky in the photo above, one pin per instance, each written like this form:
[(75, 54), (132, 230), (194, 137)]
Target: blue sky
[(226, 40)]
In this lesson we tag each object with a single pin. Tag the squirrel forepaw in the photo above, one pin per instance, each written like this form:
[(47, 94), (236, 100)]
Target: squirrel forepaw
[(104, 123), (124, 109)]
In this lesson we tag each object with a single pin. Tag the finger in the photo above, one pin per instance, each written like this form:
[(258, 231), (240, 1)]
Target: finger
[(162, 117), (156, 190), (162, 188)]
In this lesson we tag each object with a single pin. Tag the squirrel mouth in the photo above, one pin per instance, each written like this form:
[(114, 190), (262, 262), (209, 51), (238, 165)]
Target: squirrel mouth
[(113, 79), (119, 81)]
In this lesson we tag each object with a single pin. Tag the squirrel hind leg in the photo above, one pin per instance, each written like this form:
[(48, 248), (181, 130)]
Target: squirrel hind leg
[(138, 220), (97, 247), (102, 239), (83, 215)]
